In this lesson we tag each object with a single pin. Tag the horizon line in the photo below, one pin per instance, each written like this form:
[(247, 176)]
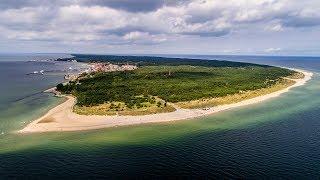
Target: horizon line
[(162, 54)]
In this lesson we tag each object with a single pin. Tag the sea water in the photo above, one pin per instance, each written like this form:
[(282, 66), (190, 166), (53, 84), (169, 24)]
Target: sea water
[(278, 138)]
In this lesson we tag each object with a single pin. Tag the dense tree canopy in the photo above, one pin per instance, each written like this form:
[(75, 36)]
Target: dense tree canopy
[(153, 60), (174, 83)]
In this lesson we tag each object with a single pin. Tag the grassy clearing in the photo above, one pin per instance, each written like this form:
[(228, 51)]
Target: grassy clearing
[(119, 108), (234, 98)]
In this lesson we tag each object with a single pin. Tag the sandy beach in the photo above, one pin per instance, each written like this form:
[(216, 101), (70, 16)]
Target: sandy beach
[(62, 118)]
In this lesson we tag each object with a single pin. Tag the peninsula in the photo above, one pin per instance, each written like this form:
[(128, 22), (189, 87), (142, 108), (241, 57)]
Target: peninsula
[(128, 90)]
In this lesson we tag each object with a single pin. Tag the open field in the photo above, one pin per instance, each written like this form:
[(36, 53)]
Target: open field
[(119, 108), (234, 98)]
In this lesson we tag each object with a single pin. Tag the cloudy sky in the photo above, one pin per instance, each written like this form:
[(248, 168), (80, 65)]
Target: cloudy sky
[(269, 27)]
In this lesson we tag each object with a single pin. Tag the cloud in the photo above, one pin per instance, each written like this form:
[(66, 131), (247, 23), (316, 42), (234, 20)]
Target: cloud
[(304, 18), (149, 21), (127, 5), (275, 27), (272, 50), (144, 38), (17, 4)]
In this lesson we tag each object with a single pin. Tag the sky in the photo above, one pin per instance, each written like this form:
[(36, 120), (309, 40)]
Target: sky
[(235, 27)]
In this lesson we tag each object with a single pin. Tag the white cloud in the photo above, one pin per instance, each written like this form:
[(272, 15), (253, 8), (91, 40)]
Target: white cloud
[(112, 22), (272, 50), (143, 37), (276, 27)]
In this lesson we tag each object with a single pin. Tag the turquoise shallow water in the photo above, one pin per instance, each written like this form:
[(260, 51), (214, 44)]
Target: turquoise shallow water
[(278, 138)]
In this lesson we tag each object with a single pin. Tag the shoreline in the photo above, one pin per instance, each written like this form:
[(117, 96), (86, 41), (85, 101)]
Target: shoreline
[(62, 118)]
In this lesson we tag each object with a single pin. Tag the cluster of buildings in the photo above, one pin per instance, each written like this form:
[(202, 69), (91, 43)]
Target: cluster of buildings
[(108, 67), (100, 67)]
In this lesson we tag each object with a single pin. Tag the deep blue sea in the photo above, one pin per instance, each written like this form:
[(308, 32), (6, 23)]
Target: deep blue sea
[(276, 139)]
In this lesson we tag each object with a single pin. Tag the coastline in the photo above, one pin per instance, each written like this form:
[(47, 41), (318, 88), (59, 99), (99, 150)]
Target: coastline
[(62, 118)]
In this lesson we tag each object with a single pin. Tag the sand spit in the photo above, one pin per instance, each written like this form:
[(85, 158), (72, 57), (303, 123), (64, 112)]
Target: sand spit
[(62, 118)]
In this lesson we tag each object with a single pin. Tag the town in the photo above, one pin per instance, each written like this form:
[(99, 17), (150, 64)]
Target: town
[(109, 67), (102, 67)]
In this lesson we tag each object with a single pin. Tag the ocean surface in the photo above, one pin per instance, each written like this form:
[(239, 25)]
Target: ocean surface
[(276, 139)]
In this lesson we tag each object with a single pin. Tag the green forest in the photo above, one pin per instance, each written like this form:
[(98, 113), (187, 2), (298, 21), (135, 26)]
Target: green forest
[(172, 83), (156, 61)]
